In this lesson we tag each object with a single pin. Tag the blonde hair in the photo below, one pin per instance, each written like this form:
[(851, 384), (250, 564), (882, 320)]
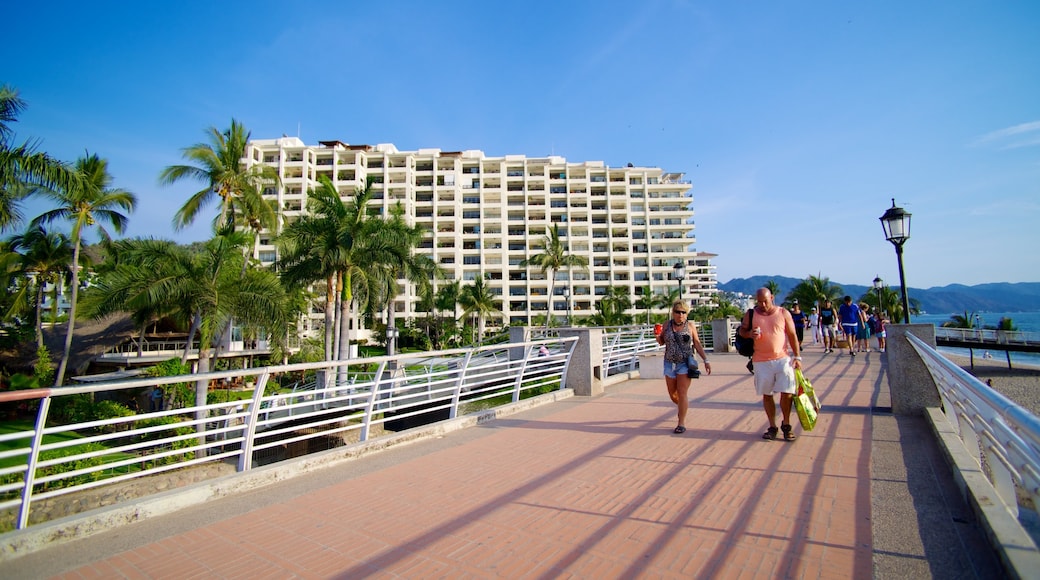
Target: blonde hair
[(681, 303)]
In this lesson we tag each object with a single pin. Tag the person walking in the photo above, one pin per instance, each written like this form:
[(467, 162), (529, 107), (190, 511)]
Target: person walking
[(863, 331), (828, 317), (814, 324), (879, 330), (799, 318), (773, 332), (849, 313), (680, 341)]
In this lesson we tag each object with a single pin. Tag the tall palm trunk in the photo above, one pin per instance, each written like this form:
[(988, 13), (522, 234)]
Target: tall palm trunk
[(39, 314), (330, 316), (337, 323), (59, 378), (196, 320), (344, 341)]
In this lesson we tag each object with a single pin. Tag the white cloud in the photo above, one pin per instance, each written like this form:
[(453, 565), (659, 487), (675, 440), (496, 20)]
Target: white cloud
[(1011, 137)]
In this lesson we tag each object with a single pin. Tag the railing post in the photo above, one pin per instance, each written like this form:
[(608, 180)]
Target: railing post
[(585, 370), (910, 383), (519, 334), (31, 461), (245, 461), (720, 334)]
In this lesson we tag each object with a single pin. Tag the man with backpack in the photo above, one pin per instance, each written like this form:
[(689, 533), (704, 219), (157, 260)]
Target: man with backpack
[(772, 329)]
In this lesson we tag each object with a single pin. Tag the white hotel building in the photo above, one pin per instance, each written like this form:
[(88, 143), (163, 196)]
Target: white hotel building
[(484, 215)]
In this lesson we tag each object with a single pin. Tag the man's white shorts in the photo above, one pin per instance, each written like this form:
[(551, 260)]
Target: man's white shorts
[(775, 376)]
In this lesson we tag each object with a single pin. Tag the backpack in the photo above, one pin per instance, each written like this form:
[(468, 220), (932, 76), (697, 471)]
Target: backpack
[(873, 325), (745, 346)]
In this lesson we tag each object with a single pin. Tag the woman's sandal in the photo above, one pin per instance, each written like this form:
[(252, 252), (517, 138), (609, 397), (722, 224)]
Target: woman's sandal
[(770, 434), (679, 429), (788, 433)]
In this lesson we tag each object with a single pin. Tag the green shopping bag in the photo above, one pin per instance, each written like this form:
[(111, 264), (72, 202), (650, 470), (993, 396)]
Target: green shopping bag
[(806, 404)]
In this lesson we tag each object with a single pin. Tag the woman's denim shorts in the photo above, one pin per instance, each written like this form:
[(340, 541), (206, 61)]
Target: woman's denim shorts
[(674, 369)]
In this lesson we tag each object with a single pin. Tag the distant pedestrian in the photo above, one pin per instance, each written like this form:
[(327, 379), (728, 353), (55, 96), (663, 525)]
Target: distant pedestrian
[(799, 319), (848, 313), (863, 330), (828, 318), (156, 402), (814, 324), (680, 341), (773, 332), (879, 330)]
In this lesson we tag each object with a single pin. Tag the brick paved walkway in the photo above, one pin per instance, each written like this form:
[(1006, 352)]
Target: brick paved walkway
[(584, 488)]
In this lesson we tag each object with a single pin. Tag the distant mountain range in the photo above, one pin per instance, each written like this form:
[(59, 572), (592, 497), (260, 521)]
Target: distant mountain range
[(994, 297)]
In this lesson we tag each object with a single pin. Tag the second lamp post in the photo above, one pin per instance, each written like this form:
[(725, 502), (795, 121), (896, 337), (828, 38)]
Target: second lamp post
[(679, 273)]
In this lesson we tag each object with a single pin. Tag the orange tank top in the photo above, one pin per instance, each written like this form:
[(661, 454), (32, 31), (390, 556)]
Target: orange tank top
[(773, 342)]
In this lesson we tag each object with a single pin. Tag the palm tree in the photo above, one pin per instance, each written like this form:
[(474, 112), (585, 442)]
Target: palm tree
[(958, 321), (815, 290), (203, 285), (221, 165), (447, 300), (773, 287), (1006, 324), (402, 262), (22, 167), (646, 301), (257, 214), (90, 202), (46, 256), (613, 305), (338, 243), (554, 257), (478, 300)]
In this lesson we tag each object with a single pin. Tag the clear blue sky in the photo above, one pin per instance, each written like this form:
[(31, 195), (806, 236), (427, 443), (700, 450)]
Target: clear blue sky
[(796, 121)]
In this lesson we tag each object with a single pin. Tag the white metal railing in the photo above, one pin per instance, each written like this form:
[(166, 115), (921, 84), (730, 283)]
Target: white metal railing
[(988, 335), (1000, 434), (622, 346), (60, 455)]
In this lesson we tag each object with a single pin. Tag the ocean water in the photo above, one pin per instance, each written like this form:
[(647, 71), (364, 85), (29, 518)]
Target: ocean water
[(1024, 321)]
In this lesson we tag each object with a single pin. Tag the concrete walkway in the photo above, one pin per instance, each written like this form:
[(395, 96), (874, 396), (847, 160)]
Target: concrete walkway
[(592, 488)]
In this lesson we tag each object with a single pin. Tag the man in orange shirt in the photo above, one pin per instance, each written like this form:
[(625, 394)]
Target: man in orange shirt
[(773, 333)]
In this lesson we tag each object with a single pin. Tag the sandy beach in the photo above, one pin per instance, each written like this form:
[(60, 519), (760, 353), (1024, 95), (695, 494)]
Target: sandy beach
[(1021, 383)]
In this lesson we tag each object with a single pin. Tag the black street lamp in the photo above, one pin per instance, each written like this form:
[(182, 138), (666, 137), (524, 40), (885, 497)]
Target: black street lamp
[(878, 285), (679, 274), (567, 297), (896, 223)]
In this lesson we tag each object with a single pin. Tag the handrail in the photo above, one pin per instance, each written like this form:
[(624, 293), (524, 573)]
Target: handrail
[(997, 432), (988, 335), (347, 398)]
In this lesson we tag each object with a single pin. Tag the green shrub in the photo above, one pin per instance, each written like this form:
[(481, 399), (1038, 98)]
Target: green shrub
[(177, 395), (150, 462), (110, 410), (72, 409)]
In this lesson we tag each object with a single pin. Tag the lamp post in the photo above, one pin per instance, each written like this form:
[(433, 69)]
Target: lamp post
[(567, 297), (391, 340), (679, 273), (896, 223), (878, 285)]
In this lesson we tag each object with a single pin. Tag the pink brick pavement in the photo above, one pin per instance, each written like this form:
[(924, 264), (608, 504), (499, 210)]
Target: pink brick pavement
[(596, 488)]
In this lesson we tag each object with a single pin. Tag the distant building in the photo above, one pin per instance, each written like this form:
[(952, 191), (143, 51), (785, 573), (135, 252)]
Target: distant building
[(484, 215)]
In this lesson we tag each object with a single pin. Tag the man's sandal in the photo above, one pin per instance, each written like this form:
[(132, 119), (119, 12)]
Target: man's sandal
[(788, 433), (679, 429), (770, 434)]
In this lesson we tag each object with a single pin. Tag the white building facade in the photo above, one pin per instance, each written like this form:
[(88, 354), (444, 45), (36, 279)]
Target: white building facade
[(484, 215)]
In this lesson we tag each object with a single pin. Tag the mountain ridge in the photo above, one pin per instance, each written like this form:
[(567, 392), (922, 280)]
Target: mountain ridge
[(988, 297)]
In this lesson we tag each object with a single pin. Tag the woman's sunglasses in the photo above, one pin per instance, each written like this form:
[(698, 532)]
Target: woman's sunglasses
[(678, 312)]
